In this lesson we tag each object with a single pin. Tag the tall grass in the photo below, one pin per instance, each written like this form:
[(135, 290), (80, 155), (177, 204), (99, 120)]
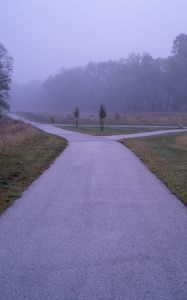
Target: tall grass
[(13, 135)]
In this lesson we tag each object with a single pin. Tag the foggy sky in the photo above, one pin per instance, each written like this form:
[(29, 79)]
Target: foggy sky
[(45, 35)]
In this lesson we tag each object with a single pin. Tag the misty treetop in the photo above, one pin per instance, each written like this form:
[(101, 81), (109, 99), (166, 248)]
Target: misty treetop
[(5, 76)]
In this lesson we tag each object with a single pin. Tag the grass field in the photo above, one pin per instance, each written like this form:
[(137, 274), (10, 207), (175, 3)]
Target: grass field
[(25, 152), (150, 119), (166, 156), (111, 130)]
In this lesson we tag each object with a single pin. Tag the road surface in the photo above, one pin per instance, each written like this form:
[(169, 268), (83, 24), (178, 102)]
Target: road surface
[(96, 225)]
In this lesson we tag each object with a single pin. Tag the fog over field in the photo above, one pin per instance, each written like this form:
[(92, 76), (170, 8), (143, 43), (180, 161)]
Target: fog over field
[(53, 42)]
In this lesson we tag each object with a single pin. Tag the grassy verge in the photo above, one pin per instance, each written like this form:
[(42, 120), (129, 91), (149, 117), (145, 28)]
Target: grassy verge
[(166, 156), (111, 130), (25, 152)]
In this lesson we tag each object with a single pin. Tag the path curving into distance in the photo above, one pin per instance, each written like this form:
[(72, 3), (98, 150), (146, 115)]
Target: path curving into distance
[(96, 225)]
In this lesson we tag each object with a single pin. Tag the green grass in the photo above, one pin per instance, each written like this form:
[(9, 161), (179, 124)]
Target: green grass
[(25, 152), (111, 130), (166, 156)]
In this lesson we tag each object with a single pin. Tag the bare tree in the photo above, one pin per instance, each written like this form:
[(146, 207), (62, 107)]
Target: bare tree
[(102, 116)]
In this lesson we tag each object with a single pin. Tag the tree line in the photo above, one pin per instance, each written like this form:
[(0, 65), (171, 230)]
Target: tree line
[(139, 83)]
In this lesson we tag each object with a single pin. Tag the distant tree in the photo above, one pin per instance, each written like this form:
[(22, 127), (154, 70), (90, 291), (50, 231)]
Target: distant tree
[(179, 48), (5, 77), (52, 119), (102, 116), (177, 70), (76, 114), (117, 117)]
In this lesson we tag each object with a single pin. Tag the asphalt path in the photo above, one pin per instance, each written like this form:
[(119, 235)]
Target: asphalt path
[(96, 225)]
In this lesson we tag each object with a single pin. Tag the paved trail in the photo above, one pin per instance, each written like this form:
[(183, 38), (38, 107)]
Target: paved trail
[(96, 225)]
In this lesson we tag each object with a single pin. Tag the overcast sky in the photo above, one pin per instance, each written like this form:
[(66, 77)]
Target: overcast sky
[(45, 35)]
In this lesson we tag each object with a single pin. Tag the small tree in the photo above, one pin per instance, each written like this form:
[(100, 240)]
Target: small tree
[(102, 116), (5, 77), (76, 114)]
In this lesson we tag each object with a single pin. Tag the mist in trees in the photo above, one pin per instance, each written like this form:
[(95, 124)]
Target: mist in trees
[(139, 83), (29, 97)]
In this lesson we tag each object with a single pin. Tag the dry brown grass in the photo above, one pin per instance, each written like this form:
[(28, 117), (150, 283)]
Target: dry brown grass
[(25, 152), (182, 140), (12, 135), (165, 119)]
